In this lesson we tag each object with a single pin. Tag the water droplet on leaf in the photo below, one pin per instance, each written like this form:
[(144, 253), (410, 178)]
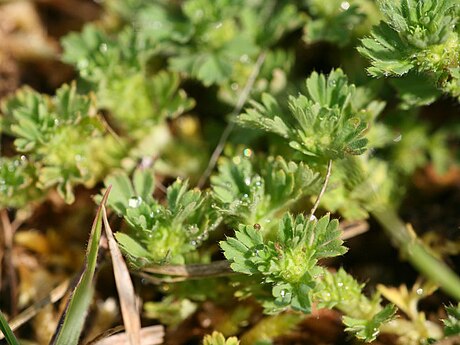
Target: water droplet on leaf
[(247, 153), (134, 201), (345, 5), (103, 47)]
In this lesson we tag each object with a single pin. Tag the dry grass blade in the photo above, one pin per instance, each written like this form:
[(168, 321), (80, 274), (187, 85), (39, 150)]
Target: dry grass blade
[(125, 287), (216, 268), (152, 335), (74, 315), (352, 229), (55, 295)]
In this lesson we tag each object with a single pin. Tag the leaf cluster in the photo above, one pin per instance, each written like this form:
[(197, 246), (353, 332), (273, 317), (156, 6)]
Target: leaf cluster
[(118, 69), (217, 338), (452, 323), (48, 131), (252, 190), (321, 124), (160, 233), (288, 264), (418, 37)]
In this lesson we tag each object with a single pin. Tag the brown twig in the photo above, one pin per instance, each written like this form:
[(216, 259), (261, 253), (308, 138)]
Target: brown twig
[(55, 295), (125, 288), (213, 269), (353, 229), (8, 234), (152, 335)]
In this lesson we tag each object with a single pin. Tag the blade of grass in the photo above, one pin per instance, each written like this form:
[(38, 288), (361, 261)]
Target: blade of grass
[(6, 330), (74, 315), (125, 287), (152, 335)]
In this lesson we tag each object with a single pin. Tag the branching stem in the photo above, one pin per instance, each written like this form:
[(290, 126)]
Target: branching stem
[(417, 253), (323, 189)]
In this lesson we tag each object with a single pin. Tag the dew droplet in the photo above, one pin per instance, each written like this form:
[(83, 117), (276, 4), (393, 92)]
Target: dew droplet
[(419, 292), (247, 181), (398, 138), (103, 48), (134, 201), (345, 5), (283, 293), (234, 86), (244, 58), (247, 153)]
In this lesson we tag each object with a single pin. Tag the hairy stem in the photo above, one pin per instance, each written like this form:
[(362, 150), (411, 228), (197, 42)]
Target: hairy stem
[(417, 253)]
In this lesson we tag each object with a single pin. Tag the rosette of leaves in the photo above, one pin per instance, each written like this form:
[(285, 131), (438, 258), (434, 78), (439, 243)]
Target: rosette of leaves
[(417, 37), (289, 264), (160, 233), (62, 136), (257, 190), (119, 70), (322, 124)]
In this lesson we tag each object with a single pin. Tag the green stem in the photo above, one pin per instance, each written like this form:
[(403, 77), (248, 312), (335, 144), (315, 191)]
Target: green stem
[(417, 253), (7, 332)]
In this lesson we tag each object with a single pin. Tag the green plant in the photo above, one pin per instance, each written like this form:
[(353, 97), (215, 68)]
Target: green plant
[(218, 339), (416, 37), (160, 233), (297, 153)]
